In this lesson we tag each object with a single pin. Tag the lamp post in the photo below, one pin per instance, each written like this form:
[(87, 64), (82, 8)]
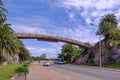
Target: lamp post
[(100, 62), (100, 65)]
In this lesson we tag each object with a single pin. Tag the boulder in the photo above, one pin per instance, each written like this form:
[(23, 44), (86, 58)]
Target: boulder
[(118, 61), (83, 58), (4, 63)]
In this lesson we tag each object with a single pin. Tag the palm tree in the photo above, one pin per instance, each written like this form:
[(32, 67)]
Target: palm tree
[(3, 12), (107, 24), (8, 43)]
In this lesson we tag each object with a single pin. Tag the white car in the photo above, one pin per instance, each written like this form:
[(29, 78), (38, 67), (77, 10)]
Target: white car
[(46, 64)]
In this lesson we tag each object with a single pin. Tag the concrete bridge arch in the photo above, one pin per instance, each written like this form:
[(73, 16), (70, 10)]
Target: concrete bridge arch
[(52, 39)]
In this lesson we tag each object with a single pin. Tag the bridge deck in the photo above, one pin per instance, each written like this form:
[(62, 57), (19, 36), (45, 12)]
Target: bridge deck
[(51, 38)]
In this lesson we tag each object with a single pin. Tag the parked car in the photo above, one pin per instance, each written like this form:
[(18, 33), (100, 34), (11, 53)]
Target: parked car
[(46, 64)]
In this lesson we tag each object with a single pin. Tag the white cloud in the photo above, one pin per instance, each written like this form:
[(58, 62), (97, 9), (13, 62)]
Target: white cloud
[(80, 33), (94, 14), (72, 16), (88, 21), (118, 14), (51, 51), (27, 29), (87, 4), (92, 9)]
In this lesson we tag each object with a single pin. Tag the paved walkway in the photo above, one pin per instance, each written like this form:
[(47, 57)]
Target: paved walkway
[(39, 72)]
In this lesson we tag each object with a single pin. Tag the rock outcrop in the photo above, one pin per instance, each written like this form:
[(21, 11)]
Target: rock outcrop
[(109, 54), (10, 59)]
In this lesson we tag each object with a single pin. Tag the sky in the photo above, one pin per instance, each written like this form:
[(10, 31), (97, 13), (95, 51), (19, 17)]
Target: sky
[(62, 18)]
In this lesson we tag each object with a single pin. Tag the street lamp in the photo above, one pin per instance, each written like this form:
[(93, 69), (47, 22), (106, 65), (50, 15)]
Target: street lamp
[(100, 52), (100, 62)]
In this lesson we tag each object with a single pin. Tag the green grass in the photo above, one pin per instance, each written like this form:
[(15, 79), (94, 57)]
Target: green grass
[(7, 71), (115, 66), (92, 64)]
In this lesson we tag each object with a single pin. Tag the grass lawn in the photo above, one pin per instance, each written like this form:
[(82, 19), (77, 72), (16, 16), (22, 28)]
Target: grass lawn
[(114, 66), (7, 71)]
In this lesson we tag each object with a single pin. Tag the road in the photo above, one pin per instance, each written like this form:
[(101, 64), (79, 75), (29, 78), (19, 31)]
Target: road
[(70, 72), (87, 73)]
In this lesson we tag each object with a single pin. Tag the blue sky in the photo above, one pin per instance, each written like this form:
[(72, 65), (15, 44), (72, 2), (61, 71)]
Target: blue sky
[(64, 18)]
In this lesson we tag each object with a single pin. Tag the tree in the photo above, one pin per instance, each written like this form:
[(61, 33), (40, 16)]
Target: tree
[(108, 27), (115, 37), (3, 12), (68, 51), (77, 53), (60, 56), (8, 43), (43, 57), (36, 58), (107, 24), (23, 52)]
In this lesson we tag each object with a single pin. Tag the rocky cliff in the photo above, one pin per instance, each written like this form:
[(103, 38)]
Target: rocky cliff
[(109, 54), (10, 59)]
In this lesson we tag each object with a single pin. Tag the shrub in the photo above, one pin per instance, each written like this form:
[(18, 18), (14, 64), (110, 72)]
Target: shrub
[(25, 65), (21, 69)]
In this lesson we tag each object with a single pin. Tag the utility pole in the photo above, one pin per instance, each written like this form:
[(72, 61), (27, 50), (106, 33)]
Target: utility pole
[(100, 51), (100, 45)]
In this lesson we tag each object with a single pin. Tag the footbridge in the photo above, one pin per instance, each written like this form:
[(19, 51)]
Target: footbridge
[(52, 39)]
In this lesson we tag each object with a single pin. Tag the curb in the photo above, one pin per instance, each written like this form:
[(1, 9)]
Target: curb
[(109, 69)]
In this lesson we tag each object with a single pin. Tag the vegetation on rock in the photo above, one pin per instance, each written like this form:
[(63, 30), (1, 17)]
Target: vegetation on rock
[(108, 27)]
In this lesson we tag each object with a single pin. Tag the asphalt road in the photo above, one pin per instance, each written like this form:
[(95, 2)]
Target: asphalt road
[(83, 73)]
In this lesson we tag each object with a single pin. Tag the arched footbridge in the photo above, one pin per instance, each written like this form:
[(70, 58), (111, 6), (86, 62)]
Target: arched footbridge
[(52, 39)]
